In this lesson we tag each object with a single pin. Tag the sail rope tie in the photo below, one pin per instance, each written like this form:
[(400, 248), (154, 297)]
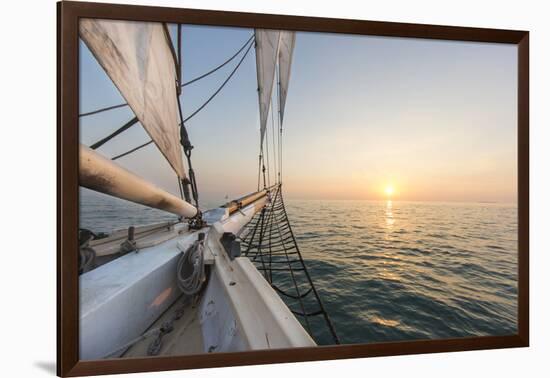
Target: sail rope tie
[(198, 109), (101, 110)]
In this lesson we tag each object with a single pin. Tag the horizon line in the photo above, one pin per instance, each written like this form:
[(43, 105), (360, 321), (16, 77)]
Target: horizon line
[(400, 200)]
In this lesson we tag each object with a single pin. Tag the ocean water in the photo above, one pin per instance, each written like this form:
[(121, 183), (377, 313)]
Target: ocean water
[(390, 270), (101, 213)]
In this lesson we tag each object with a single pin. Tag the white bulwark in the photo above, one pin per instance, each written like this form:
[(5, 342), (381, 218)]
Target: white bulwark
[(237, 311)]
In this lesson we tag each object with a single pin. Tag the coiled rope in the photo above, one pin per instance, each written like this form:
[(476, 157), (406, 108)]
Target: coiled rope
[(190, 270)]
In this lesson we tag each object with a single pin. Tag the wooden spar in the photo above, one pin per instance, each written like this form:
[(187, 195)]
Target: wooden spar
[(103, 175), (239, 203)]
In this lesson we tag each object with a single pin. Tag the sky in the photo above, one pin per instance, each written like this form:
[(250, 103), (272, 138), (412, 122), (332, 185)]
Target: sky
[(433, 120)]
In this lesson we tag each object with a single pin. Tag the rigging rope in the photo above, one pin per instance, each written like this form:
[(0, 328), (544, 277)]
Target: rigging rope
[(267, 154), (220, 66), (221, 86), (275, 153), (259, 168), (280, 126), (124, 127), (181, 86), (132, 150), (188, 182), (101, 110), (200, 108)]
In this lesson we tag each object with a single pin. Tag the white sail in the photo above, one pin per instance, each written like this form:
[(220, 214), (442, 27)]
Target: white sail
[(138, 59), (267, 46), (286, 49)]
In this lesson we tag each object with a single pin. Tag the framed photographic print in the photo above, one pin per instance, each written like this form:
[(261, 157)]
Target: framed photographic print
[(238, 188)]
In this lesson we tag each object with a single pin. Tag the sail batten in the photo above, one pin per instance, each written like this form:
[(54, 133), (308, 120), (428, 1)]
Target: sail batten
[(286, 50), (138, 59), (267, 47)]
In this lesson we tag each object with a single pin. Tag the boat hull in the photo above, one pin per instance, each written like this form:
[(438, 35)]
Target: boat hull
[(237, 311)]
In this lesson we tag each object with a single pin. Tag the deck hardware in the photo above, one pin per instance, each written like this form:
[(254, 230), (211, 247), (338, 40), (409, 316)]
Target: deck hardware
[(231, 245), (129, 244)]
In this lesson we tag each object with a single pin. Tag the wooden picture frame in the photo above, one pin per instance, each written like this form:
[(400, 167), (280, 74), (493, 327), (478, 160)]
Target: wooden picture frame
[(69, 13)]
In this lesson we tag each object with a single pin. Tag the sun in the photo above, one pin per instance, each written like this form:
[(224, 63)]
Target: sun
[(389, 190)]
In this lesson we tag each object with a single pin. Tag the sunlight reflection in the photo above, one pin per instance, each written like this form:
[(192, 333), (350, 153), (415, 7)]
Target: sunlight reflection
[(385, 322), (388, 275), (389, 214)]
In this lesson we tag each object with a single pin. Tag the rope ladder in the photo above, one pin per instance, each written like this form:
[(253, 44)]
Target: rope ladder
[(268, 241)]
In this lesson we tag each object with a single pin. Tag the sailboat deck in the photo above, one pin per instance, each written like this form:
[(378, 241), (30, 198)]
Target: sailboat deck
[(184, 339)]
